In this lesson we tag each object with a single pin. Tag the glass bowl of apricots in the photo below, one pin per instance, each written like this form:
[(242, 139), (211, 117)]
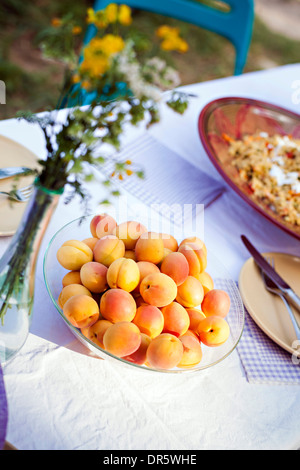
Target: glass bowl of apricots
[(141, 297)]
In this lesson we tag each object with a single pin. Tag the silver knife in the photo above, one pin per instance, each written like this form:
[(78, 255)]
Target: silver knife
[(269, 271), (13, 171)]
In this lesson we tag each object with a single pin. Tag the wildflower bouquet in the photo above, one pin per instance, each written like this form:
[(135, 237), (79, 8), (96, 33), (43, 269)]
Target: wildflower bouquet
[(121, 82), (120, 78)]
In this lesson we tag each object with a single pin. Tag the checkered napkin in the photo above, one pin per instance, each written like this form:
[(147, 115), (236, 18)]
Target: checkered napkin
[(263, 360), (169, 181)]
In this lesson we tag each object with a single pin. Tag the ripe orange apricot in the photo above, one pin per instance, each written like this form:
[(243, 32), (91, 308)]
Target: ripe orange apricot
[(176, 319), (158, 289), (102, 225), (206, 281), (164, 352), (196, 315), (196, 257), (69, 291), (149, 247), (124, 274), (96, 332), (73, 254), (213, 331), (140, 355), (72, 277), (108, 249), (122, 339), (216, 302), (93, 277), (190, 294), (129, 232), (176, 266), (82, 311), (150, 320), (117, 305), (192, 352)]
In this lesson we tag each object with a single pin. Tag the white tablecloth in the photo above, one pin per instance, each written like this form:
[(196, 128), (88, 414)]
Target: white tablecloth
[(59, 398)]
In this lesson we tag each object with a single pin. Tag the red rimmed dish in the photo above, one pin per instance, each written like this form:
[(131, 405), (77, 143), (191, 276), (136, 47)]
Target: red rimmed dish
[(232, 118)]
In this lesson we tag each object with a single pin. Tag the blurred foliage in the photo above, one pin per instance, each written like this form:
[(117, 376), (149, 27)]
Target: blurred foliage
[(35, 86)]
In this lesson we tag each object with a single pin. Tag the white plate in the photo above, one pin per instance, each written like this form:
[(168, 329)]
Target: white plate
[(267, 310), (13, 154)]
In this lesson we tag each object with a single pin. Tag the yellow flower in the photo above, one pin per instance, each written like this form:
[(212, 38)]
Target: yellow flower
[(76, 78), (95, 66), (125, 15), (86, 84), (76, 30), (182, 46), (56, 22), (129, 172), (171, 39), (128, 162), (96, 55), (112, 44), (96, 18), (91, 16), (165, 31), (111, 13)]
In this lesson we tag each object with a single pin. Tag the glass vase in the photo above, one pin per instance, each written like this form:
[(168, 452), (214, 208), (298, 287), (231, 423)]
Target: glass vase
[(17, 271)]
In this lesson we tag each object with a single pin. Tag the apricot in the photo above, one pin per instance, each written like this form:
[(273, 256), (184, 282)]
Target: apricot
[(129, 233), (169, 241), (91, 242), (149, 247), (164, 352), (140, 355), (196, 257), (150, 320), (193, 334), (124, 274), (190, 293), (166, 253), (93, 276), (196, 240), (73, 254), (117, 305), (216, 302), (145, 268), (96, 332), (206, 281), (158, 289), (108, 249), (130, 254), (71, 290), (192, 351), (102, 225), (176, 266), (213, 331), (195, 316), (122, 339), (176, 319), (82, 311), (73, 277)]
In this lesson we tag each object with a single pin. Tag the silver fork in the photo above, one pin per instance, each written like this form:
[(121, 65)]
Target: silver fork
[(20, 195), (271, 287)]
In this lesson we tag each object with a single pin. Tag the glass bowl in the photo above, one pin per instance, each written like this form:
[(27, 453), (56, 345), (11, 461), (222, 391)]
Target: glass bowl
[(235, 118), (79, 229)]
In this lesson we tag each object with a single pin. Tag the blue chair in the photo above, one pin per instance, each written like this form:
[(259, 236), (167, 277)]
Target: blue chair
[(234, 23)]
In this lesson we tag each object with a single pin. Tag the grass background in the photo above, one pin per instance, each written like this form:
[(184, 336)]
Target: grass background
[(33, 83)]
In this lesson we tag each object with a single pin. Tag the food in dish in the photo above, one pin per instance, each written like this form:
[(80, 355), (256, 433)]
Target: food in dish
[(270, 166), (145, 309)]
